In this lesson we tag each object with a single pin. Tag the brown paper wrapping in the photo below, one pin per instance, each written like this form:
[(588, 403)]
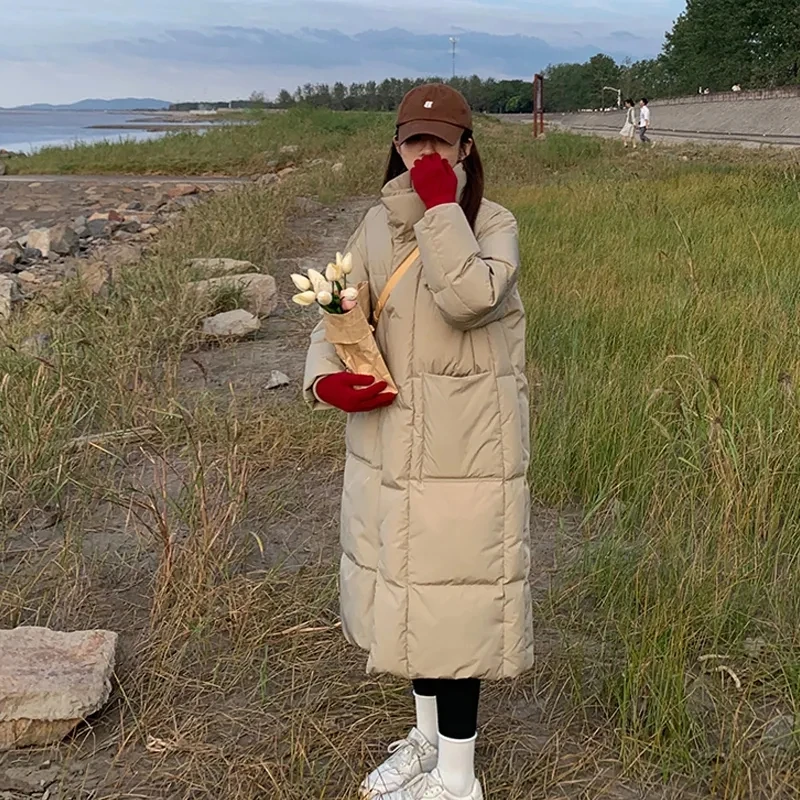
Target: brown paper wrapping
[(351, 335)]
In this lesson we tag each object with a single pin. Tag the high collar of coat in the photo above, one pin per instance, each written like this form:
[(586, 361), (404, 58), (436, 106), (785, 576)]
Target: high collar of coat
[(404, 205)]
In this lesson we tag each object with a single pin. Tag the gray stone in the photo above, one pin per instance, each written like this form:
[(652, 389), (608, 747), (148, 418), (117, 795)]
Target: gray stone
[(39, 239), (268, 180), (8, 258), (120, 255), (134, 226), (64, 240), (136, 205), (31, 254), (29, 780), (5, 237), (215, 267), (51, 681), (36, 345), (9, 294), (93, 276), (98, 228), (259, 292), (277, 380), (231, 324), (79, 222)]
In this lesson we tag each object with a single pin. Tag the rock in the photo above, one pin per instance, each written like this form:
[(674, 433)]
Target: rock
[(36, 345), (151, 231), (231, 323), (134, 226), (39, 239), (214, 267), (93, 275), (120, 255), (115, 216), (98, 228), (79, 222), (184, 201), (284, 173), (267, 180), (337, 168), (30, 254), (136, 206), (64, 240), (277, 380), (182, 190), (259, 292), (97, 215), (5, 237), (8, 258), (51, 681), (289, 149), (9, 294)]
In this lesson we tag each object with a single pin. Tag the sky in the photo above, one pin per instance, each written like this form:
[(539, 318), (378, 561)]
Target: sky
[(200, 50)]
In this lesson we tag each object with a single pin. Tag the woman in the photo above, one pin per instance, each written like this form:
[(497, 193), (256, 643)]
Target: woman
[(628, 131), (435, 509)]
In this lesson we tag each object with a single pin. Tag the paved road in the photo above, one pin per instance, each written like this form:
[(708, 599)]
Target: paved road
[(126, 180)]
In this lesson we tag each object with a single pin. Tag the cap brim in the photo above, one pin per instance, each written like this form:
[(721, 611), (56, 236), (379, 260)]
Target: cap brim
[(427, 127)]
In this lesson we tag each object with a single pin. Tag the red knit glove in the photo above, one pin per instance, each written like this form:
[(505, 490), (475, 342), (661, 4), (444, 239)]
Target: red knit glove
[(340, 391), (434, 180)]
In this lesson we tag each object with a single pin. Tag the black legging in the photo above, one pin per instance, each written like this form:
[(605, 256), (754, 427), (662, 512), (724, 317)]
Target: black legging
[(456, 704)]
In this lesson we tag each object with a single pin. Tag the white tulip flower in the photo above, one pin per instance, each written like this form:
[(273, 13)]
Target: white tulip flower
[(345, 263), (350, 293), (334, 273), (301, 282), (324, 298), (305, 298), (317, 280)]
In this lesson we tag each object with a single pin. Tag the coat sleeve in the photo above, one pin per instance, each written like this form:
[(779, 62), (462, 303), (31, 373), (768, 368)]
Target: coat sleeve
[(470, 278), (321, 359)]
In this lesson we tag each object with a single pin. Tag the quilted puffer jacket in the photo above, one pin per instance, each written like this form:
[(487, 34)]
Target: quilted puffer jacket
[(435, 512)]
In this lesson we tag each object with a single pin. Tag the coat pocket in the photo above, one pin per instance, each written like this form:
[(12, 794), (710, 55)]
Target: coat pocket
[(461, 427)]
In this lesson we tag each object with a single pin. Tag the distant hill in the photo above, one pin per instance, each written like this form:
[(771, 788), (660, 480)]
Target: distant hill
[(118, 104)]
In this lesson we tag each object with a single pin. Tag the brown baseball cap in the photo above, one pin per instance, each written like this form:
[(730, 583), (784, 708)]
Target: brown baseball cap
[(434, 109)]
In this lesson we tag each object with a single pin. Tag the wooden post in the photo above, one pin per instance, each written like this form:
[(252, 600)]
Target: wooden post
[(538, 105)]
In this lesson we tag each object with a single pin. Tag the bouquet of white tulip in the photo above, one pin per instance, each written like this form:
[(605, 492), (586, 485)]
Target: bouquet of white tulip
[(347, 323), (330, 291)]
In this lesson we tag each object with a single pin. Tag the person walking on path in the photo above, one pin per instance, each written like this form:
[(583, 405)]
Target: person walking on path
[(644, 122), (435, 509), (628, 131)]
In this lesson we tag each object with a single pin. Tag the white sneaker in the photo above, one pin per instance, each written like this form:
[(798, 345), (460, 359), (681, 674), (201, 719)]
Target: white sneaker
[(409, 759), (429, 786)]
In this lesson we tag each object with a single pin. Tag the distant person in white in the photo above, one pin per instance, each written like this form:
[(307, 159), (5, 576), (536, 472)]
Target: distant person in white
[(628, 131), (644, 121)]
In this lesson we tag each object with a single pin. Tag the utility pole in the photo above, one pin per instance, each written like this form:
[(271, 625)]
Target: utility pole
[(454, 42)]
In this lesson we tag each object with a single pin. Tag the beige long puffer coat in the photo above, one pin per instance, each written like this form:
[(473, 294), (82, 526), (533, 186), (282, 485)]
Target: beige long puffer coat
[(435, 512)]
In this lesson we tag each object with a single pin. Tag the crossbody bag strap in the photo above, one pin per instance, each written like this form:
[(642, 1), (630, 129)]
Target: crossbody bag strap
[(394, 279)]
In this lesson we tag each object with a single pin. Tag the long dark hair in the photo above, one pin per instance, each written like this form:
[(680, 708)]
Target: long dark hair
[(472, 197)]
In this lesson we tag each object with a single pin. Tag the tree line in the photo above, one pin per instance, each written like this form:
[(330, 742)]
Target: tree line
[(714, 45)]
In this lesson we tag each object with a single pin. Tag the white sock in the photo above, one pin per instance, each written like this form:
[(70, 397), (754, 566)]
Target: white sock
[(457, 764), (426, 717)]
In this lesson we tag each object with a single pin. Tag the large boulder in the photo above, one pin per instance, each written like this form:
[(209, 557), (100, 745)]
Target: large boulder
[(231, 324), (259, 293), (64, 240), (50, 681)]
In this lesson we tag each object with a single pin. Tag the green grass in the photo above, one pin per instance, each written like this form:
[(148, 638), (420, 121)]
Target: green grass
[(661, 291)]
